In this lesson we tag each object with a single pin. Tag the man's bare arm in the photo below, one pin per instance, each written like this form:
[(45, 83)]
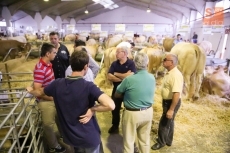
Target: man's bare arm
[(113, 78), (123, 75), (38, 91), (105, 104), (175, 99)]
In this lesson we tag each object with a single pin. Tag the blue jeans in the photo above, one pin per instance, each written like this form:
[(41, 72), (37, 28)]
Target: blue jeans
[(88, 150)]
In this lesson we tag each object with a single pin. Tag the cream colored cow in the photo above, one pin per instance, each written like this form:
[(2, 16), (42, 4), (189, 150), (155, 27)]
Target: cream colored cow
[(191, 62), (156, 56)]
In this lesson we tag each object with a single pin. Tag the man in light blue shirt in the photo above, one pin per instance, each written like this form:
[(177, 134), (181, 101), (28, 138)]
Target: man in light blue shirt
[(178, 39)]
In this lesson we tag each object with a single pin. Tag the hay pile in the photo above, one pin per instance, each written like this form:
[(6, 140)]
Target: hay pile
[(200, 126)]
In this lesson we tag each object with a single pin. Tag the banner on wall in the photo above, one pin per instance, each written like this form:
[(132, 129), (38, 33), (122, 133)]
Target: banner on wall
[(218, 29), (213, 15), (104, 34), (84, 33), (129, 33), (184, 28), (70, 27), (148, 27), (95, 27), (120, 27), (207, 30)]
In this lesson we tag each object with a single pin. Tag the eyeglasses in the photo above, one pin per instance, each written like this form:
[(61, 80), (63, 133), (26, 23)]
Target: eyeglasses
[(119, 52), (165, 59)]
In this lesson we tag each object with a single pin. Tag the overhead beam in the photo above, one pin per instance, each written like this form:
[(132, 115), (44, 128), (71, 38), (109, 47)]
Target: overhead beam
[(54, 7), (16, 6), (66, 15), (160, 13), (198, 4), (169, 5), (169, 12)]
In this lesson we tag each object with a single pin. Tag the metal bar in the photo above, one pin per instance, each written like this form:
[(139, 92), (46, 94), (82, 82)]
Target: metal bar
[(7, 54), (16, 81), (9, 85), (102, 59), (11, 112), (17, 73)]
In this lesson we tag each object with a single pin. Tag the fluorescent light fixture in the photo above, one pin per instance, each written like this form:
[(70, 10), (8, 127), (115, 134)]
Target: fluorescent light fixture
[(107, 3), (148, 10), (46, 0), (115, 6)]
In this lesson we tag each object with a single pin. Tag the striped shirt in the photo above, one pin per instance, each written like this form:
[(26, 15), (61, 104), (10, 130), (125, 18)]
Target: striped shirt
[(43, 73)]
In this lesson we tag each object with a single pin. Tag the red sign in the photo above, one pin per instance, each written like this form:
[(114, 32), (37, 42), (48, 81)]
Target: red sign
[(213, 16)]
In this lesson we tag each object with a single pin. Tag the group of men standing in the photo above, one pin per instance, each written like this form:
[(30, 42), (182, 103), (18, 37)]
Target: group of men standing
[(67, 99)]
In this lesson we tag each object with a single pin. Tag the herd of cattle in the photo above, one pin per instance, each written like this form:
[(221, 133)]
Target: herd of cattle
[(191, 58)]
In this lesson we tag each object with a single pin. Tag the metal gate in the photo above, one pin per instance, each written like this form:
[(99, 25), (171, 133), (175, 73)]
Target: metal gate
[(20, 124)]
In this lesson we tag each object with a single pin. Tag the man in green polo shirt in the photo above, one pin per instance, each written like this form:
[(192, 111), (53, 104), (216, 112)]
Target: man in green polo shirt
[(138, 91)]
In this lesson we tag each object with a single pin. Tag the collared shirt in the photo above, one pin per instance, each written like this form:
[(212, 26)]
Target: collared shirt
[(43, 73), (88, 76), (138, 90), (61, 62), (172, 82), (177, 41), (116, 66), (73, 96), (93, 66)]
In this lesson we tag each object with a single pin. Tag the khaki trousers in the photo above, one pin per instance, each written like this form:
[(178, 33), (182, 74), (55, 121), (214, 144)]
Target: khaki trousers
[(49, 118), (137, 124)]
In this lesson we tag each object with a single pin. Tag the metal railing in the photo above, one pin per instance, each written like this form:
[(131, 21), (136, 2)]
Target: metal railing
[(20, 126)]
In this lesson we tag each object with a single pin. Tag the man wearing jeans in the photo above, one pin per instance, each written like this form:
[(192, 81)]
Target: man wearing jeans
[(171, 94)]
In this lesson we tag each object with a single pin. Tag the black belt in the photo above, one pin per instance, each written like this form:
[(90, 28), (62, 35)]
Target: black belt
[(135, 109)]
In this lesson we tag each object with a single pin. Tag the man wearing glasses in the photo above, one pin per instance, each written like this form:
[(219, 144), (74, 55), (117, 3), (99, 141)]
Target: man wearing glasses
[(171, 94), (119, 70)]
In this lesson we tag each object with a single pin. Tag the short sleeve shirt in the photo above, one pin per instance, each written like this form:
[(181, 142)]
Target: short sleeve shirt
[(61, 62), (121, 68), (172, 82), (72, 97)]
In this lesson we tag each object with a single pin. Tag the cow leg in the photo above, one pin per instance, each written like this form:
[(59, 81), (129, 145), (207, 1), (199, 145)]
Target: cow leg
[(197, 86), (187, 85)]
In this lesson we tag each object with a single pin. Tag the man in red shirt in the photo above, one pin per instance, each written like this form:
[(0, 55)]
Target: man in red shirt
[(43, 75)]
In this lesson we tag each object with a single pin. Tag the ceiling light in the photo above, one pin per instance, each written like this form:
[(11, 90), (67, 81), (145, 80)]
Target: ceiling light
[(86, 11), (148, 10), (46, 0)]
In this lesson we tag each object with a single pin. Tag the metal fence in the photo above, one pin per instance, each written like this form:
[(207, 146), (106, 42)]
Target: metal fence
[(20, 123)]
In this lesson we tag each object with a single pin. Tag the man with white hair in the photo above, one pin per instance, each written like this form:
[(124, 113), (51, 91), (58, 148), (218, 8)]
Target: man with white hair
[(119, 70), (138, 91)]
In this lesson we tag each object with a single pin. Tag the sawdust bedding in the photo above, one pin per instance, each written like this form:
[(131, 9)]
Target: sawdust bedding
[(200, 126)]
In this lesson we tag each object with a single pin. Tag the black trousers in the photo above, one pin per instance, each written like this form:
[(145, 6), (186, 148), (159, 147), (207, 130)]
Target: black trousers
[(116, 111), (166, 126)]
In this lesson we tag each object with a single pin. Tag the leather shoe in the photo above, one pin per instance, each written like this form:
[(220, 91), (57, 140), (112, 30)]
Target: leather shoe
[(113, 130), (156, 146), (168, 144)]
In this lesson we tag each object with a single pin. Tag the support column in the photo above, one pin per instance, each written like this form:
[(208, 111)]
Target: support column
[(38, 19), (7, 16)]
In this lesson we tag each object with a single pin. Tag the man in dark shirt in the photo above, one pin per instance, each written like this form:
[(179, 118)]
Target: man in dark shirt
[(74, 100), (61, 61), (194, 38), (119, 70)]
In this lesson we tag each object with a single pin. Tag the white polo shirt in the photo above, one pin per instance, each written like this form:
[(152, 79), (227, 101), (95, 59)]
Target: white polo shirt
[(172, 82)]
